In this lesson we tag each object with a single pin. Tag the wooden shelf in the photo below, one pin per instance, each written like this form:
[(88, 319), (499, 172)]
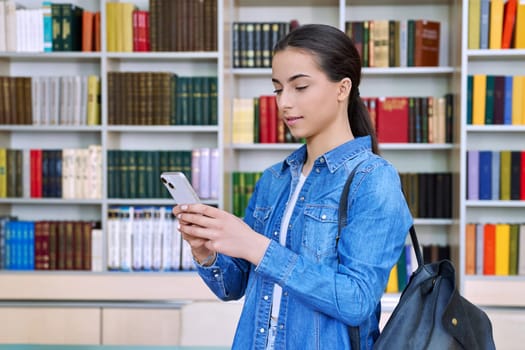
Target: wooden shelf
[(80, 286)]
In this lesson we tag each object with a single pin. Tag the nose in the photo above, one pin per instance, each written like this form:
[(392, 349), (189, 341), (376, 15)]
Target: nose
[(284, 100)]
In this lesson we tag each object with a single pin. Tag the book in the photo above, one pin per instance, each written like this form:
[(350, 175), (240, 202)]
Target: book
[(470, 249), (473, 175), (509, 19), (479, 90), (392, 119), (502, 249), (496, 24), (474, 21), (489, 249), (427, 43)]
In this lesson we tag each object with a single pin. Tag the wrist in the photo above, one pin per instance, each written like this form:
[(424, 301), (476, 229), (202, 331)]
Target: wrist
[(207, 261)]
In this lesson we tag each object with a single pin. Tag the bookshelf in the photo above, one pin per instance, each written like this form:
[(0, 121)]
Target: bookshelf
[(456, 62), (491, 291)]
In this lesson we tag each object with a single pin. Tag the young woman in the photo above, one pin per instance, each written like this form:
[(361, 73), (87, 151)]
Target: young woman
[(301, 289)]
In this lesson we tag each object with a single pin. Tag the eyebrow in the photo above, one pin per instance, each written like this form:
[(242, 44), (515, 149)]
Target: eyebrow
[(292, 78)]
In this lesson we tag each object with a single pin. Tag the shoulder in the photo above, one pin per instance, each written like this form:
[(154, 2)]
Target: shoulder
[(375, 173)]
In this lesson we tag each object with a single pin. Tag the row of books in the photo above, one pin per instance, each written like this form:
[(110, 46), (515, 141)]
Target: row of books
[(53, 173), (50, 100), (50, 245), (183, 25), (161, 98), (396, 43), (256, 120), (253, 42), (425, 119), (496, 24), (136, 173), (396, 119), (51, 27), (428, 195), (145, 239), (495, 249), (243, 184), (495, 99), (407, 264), (495, 175)]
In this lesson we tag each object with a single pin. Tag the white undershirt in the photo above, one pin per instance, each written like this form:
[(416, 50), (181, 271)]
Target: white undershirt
[(277, 290)]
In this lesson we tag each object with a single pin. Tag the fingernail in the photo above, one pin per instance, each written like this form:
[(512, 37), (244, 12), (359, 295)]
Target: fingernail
[(183, 207)]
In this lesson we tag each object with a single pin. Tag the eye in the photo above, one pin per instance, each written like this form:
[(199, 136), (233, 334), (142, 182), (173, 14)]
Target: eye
[(301, 87), (277, 91)]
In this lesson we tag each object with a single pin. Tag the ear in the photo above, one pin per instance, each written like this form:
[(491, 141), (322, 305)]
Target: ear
[(345, 86)]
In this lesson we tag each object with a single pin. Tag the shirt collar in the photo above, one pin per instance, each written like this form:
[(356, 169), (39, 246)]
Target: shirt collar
[(334, 158)]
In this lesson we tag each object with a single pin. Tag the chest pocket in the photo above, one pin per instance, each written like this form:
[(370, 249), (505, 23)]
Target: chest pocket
[(320, 230), (261, 216)]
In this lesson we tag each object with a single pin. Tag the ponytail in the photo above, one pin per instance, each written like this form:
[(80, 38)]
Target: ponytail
[(359, 118)]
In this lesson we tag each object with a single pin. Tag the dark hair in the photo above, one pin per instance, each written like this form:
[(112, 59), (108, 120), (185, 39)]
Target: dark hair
[(338, 58)]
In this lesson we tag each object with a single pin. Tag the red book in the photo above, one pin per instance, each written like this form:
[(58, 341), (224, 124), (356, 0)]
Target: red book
[(426, 43), (489, 249), (36, 173), (509, 19), (392, 119), (273, 119), (264, 115), (136, 30), (88, 19), (96, 33), (267, 119)]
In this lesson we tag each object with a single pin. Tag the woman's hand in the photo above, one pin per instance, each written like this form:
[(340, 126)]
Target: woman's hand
[(208, 229)]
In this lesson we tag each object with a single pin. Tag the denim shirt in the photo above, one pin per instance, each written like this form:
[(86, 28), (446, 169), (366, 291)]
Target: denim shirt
[(326, 286)]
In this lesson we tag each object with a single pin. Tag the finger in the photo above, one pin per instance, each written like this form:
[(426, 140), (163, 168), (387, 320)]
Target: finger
[(196, 231), (199, 208), (195, 219)]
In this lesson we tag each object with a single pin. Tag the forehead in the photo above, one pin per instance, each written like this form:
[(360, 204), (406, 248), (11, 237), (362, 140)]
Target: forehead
[(292, 61)]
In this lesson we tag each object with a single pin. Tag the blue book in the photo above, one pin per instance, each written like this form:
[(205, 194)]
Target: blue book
[(485, 174), (495, 175), (473, 175), (484, 25), (507, 101), (48, 26)]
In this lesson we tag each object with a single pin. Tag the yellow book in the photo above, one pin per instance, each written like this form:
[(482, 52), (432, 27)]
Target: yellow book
[(479, 92), (518, 92), (3, 172), (502, 249), (504, 175), (392, 285), (474, 24), (93, 100), (496, 24), (519, 28), (111, 29), (243, 121), (126, 31)]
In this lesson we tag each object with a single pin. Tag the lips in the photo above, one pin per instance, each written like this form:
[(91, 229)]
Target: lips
[(291, 120)]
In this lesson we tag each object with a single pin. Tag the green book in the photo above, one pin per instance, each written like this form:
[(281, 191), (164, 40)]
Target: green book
[(513, 249), (132, 174), (256, 120), (214, 115), (197, 100), (56, 20), (505, 175), (489, 100), (140, 157), (206, 110), (173, 97)]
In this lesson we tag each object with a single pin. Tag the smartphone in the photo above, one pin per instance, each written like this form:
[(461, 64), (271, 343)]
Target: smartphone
[(179, 187)]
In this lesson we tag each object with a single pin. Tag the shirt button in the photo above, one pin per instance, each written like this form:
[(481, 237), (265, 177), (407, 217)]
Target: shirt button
[(317, 170), (216, 275), (285, 293), (275, 233), (321, 160), (261, 330), (281, 326), (302, 198), (289, 226), (323, 217), (265, 297)]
